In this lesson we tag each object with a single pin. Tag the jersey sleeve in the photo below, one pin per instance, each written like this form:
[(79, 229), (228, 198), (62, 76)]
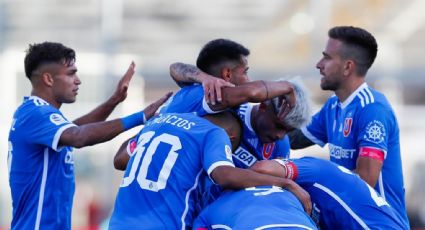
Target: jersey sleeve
[(316, 130), (305, 170), (190, 99), (46, 126), (217, 151), (375, 123)]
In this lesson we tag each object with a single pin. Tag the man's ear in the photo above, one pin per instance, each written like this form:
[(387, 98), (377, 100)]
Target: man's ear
[(349, 67), (47, 78), (226, 74)]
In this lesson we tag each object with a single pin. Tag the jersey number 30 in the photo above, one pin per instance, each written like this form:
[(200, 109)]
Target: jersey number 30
[(147, 152)]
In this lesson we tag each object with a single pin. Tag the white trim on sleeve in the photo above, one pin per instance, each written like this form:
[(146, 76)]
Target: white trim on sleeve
[(216, 164), (58, 135), (207, 108)]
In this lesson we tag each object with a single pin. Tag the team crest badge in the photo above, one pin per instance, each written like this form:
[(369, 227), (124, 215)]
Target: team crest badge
[(268, 150), (375, 132), (347, 126)]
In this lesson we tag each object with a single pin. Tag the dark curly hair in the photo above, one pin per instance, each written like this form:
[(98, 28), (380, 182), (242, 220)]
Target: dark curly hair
[(47, 52), (218, 51), (359, 45)]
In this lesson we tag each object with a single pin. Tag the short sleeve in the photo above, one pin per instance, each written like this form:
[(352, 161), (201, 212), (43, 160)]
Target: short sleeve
[(45, 126), (190, 99), (217, 150), (375, 123)]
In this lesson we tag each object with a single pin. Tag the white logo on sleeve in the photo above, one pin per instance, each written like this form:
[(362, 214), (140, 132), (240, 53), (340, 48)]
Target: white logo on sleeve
[(375, 132), (228, 151), (57, 119)]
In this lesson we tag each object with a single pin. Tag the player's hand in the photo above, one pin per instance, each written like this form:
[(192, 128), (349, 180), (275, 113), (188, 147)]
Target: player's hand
[(212, 89), (120, 93), (284, 109), (152, 108), (302, 196)]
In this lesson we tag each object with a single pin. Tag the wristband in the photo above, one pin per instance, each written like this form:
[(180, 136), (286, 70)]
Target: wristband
[(133, 120)]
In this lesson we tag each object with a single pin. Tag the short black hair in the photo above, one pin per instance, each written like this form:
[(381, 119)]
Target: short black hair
[(47, 52), (217, 52), (359, 45)]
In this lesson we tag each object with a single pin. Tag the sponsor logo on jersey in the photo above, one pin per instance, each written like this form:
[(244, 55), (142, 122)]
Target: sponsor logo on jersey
[(375, 132), (57, 119), (338, 152), (244, 156), (268, 150), (347, 126)]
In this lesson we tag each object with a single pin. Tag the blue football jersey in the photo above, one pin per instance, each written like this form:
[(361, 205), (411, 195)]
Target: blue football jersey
[(173, 152), (262, 207), (251, 148), (189, 99), (341, 199), (41, 173), (364, 120)]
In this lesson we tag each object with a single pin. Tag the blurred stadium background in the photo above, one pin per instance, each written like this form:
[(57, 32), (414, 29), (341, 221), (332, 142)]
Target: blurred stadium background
[(286, 38)]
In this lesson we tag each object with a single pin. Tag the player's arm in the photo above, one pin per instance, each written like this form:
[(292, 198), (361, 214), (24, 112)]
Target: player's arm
[(369, 164), (101, 112), (185, 74), (256, 91), (298, 140), (235, 178), (123, 154), (98, 132)]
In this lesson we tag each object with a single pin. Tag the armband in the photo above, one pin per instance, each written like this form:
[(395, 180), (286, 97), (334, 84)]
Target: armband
[(133, 120), (370, 152)]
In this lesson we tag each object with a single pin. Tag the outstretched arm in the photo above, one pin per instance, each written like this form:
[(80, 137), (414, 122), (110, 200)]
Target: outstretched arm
[(104, 110), (256, 91), (235, 178), (184, 74), (98, 132)]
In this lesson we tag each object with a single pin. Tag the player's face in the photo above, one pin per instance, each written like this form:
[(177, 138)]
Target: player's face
[(65, 83), (267, 126), (331, 66), (240, 72)]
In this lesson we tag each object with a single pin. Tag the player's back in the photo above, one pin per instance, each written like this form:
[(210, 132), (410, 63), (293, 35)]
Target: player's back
[(189, 99), (157, 189), (260, 207), (343, 199)]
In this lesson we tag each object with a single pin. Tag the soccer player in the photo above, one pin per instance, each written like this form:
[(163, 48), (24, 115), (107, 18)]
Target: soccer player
[(226, 61), (357, 123), (41, 139), (174, 152), (341, 199), (263, 207)]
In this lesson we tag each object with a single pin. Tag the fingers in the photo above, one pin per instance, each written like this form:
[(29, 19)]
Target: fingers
[(285, 108), (152, 108), (128, 74)]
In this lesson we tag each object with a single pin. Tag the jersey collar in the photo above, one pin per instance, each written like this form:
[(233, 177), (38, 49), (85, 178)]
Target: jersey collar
[(352, 96)]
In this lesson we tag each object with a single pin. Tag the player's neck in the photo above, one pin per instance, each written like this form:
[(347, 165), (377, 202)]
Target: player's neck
[(349, 88), (47, 97)]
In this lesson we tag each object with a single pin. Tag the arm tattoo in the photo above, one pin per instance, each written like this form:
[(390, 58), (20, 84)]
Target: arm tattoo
[(188, 73), (298, 140)]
